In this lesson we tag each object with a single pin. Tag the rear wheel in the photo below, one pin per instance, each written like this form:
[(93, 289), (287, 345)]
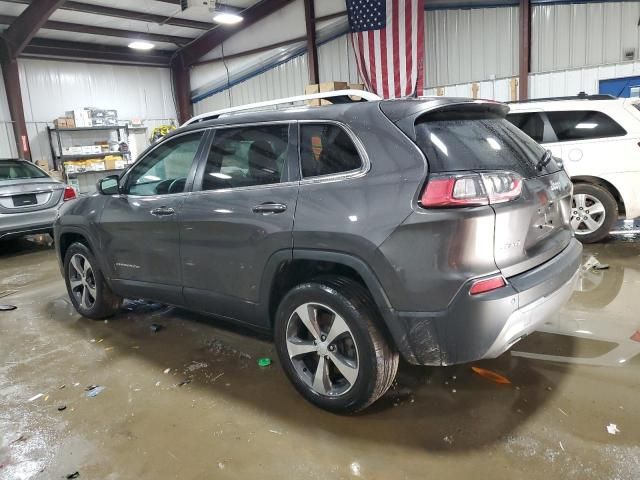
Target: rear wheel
[(331, 347), (88, 291), (593, 212)]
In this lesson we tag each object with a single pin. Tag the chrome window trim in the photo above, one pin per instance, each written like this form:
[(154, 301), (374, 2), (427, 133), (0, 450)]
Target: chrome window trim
[(334, 177), (243, 125)]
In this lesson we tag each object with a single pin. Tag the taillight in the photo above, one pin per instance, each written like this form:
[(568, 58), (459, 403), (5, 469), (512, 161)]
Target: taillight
[(487, 285), (69, 194), (471, 189)]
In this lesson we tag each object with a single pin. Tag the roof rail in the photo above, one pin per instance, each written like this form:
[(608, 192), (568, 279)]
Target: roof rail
[(338, 96), (580, 96)]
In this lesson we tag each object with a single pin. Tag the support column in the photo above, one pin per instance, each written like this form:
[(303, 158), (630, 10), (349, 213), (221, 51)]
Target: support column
[(524, 51), (312, 51), (14, 100), (181, 89)]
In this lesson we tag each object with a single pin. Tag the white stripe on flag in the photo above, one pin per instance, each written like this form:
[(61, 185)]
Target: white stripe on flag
[(378, 62), (390, 70), (414, 40), (401, 42)]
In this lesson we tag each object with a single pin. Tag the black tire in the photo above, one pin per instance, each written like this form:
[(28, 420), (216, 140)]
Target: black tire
[(377, 361), (610, 211), (105, 303)]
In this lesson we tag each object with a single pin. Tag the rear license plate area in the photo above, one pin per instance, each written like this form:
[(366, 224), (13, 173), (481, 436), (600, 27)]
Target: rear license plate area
[(25, 200)]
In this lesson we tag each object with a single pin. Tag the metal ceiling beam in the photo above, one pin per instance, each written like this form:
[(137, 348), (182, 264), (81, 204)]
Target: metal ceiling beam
[(181, 89), (128, 14), (524, 49), (23, 27), (109, 32), (40, 47), (208, 41), (312, 51)]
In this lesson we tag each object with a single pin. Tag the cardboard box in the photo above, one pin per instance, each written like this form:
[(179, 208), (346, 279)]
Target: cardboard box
[(72, 151), (114, 162), (321, 88), (80, 118), (43, 164), (60, 122), (356, 86)]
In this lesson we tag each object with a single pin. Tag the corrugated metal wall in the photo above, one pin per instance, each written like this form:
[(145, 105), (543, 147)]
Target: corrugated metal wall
[(335, 62), (472, 44), (577, 35)]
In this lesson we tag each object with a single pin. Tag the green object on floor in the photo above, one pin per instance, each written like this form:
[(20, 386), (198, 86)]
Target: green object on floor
[(264, 362)]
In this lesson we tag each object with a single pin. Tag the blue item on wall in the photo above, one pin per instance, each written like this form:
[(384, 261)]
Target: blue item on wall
[(621, 87)]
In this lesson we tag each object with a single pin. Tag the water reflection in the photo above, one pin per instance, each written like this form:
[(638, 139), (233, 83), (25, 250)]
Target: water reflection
[(600, 324)]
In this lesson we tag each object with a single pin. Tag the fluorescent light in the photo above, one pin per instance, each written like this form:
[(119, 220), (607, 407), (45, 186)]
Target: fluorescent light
[(587, 126), (226, 18), (140, 45), (223, 176)]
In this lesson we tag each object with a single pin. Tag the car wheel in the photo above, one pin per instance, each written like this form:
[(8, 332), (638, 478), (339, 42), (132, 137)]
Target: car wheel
[(593, 212), (331, 345), (88, 291)]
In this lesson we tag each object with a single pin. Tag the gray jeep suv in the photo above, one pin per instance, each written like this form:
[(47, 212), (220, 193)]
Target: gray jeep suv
[(356, 232)]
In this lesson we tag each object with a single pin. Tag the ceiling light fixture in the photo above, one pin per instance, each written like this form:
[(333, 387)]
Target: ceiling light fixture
[(140, 45), (226, 14)]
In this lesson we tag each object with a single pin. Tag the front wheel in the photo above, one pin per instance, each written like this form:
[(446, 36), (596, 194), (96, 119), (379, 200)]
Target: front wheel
[(331, 346), (88, 291), (593, 212)]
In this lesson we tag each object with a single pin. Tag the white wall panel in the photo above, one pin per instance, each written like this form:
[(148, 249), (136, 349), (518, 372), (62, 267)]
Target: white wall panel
[(336, 61), (571, 82), (472, 44), (578, 35), (50, 88)]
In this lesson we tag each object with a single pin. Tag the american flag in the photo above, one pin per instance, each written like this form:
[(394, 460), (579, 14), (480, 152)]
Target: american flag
[(388, 40)]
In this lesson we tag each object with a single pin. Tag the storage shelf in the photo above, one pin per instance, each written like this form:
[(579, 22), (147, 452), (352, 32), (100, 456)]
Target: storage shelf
[(88, 156), (81, 129)]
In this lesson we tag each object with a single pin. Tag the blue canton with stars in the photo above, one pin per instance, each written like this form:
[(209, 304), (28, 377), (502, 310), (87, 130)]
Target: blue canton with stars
[(367, 15)]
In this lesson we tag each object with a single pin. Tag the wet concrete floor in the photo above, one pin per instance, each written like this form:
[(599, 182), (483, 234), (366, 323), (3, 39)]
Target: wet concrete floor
[(190, 402)]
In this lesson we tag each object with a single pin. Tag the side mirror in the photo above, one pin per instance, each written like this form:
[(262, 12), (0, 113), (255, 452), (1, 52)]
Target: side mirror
[(109, 185)]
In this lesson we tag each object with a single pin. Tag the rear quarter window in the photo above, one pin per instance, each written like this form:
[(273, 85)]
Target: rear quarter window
[(530, 123), (456, 143), (583, 125)]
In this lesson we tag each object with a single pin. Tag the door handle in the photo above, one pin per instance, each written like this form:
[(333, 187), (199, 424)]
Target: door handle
[(269, 207), (162, 211)]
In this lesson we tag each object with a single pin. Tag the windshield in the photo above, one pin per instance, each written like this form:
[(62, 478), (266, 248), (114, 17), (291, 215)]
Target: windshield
[(458, 141), (14, 170)]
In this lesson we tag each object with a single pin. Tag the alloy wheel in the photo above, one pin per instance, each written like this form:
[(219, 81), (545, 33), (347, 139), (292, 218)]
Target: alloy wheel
[(587, 214), (322, 349), (82, 281)]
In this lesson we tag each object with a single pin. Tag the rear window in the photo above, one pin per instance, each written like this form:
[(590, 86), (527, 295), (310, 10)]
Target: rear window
[(10, 170), (530, 123), (456, 141), (583, 125)]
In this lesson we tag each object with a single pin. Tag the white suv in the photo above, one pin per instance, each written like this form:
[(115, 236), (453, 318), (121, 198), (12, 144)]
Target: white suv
[(598, 139)]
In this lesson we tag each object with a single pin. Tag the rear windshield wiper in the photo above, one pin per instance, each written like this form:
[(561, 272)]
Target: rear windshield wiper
[(546, 158)]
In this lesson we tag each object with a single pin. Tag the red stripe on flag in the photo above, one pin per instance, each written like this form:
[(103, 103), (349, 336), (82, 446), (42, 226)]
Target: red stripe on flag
[(420, 47), (396, 49), (372, 61), (408, 87), (365, 71)]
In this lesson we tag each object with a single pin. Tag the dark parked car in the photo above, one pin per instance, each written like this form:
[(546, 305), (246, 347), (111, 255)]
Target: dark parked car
[(430, 228), (29, 199)]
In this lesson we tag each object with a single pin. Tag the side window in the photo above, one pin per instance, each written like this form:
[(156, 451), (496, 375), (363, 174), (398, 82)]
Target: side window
[(530, 123), (583, 125), (165, 169), (326, 150), (246, 156)]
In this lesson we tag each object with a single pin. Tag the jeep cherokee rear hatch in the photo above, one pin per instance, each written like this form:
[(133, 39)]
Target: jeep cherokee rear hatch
[(475, 157)]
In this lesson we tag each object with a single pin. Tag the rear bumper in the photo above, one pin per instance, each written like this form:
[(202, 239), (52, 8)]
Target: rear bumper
[(486, 325), (18, 224)]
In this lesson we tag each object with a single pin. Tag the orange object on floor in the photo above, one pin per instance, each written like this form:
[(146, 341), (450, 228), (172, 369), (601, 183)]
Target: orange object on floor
[(490, 375)]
